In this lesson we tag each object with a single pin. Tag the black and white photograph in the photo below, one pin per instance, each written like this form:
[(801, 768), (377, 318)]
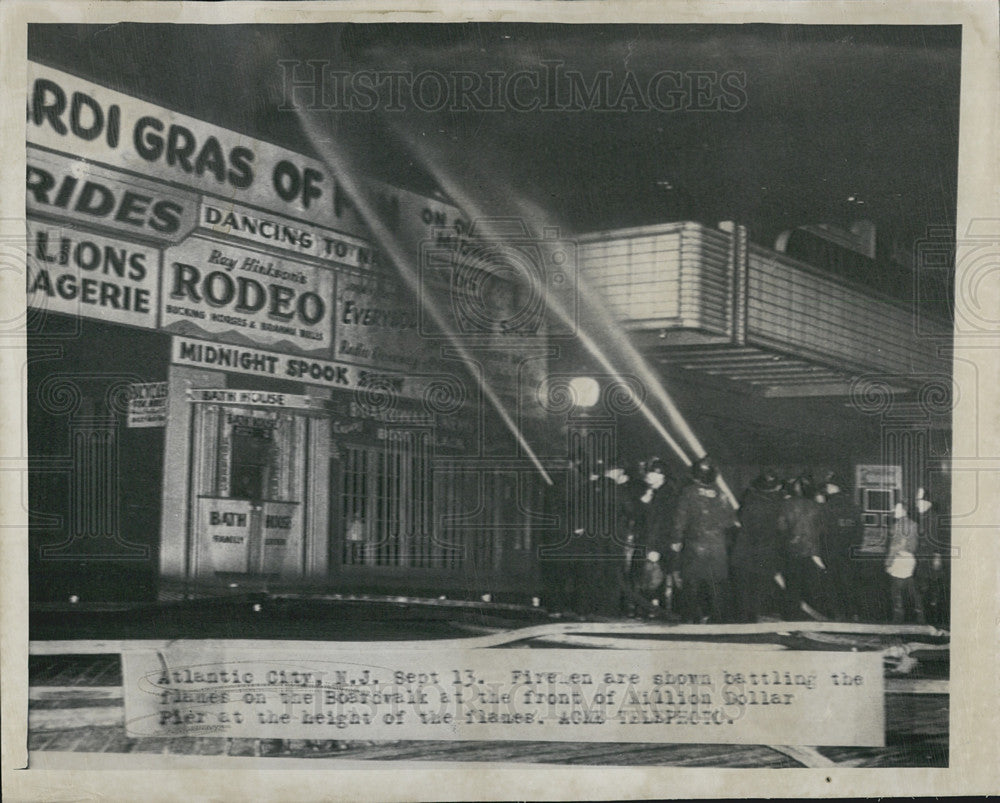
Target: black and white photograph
[(591, 399)]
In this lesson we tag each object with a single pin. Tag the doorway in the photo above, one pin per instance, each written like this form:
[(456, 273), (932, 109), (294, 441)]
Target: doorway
[(246, 513)]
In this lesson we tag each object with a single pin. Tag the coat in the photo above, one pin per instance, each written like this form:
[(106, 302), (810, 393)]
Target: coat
[(757, 546), (842, 530), (801, 525), (701, 526), (900, 560), (654, 518)]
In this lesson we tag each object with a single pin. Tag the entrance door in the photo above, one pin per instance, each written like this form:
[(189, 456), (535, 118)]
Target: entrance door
[(247, 508)]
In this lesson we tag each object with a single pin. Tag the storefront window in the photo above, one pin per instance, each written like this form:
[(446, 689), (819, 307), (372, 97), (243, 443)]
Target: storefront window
[(386, 504), (400, 508), (253, 454)]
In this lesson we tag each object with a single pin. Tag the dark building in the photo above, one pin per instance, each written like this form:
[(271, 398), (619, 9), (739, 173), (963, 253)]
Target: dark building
[(777, 363), (246, 371)]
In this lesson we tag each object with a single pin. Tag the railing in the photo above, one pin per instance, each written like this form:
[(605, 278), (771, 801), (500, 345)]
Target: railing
[(402, 508)]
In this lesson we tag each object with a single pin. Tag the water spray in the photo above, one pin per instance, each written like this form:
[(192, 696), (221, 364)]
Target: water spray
[(398, 255), (635, 359)]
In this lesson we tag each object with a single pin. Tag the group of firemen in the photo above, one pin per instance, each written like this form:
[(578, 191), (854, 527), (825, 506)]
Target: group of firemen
[(791, 550)]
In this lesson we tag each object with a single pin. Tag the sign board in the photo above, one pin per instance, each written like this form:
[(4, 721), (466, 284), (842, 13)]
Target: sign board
[(274, 231), (246, 296), (253, 398), (877, 476), (583, 695), (67, 113), (61, 186), (282, 534), (877, 488), (258, 362), (378, 324), (91, 276), (147, 404), (99, 124), (223, 535)]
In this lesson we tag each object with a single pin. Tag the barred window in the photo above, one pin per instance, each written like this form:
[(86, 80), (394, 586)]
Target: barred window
[(400, 507), (386, 503)]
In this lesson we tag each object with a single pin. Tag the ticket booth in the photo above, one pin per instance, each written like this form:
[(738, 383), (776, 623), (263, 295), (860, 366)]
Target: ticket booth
[(248, 466)]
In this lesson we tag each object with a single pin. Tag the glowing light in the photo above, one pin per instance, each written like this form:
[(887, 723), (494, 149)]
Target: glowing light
[(595, 307), (586, 391)]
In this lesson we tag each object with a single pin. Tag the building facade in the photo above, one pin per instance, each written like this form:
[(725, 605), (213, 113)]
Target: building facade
[(230, 385), (790, 366), (243, 376)]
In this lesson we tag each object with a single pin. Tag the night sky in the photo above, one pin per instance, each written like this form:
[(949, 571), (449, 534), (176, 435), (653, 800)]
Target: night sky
[(822, 114)]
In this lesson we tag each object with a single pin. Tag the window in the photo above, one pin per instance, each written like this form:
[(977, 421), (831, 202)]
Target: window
[(401, 508), (386, 503), (878, 501), (248, 453)]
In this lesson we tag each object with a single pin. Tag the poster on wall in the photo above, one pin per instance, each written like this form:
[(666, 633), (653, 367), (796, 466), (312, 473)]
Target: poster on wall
[(287, 234), (147, 404), (282, 534), (246, 297), (75, 272), (378, 324)]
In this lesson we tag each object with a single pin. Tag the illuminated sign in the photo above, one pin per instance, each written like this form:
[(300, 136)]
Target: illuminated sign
[(244, 296), (72, 190), (91, 276)]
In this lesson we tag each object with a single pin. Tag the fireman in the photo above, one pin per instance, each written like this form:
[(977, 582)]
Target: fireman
[(702, 523)]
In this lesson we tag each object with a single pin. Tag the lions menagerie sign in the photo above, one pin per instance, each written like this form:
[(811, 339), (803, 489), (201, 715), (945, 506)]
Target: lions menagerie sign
[(89, 275)]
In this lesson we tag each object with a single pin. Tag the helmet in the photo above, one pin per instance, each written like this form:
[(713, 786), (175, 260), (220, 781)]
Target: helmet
[(656, 464), (807, 485), (767, 481), (833, 483), (833, 478), (704, 472)]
